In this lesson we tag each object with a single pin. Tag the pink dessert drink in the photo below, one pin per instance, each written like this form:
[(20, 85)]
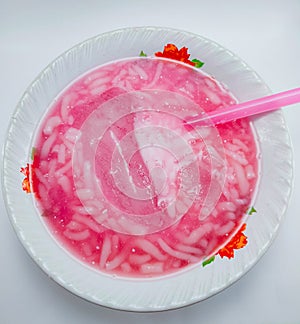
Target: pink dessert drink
[(125, 186)]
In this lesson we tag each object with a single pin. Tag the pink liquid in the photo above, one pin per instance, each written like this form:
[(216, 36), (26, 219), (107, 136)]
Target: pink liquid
[(125, 186)]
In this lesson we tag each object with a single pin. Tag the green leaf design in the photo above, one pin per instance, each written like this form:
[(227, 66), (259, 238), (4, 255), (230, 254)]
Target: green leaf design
[(33, 151), (251, 211), (142, 54), (208, 261), (198, 63)]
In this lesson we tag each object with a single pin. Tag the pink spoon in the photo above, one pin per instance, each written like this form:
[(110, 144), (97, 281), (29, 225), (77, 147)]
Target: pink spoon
[(248, 108)]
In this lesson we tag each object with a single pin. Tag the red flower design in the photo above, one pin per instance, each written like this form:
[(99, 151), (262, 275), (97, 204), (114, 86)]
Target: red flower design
[(237, 242), (172, 52), (26, 182)]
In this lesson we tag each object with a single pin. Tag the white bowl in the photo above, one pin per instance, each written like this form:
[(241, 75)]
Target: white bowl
[(179, 289)]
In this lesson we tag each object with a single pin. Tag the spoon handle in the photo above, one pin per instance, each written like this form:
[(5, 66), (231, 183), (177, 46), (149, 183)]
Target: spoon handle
[(248, 108)]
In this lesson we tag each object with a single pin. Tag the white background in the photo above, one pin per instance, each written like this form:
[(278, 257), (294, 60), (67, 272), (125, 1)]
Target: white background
[(266, 34)]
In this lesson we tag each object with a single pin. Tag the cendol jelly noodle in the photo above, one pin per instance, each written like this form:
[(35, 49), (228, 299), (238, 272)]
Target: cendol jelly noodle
[(126, 186)]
